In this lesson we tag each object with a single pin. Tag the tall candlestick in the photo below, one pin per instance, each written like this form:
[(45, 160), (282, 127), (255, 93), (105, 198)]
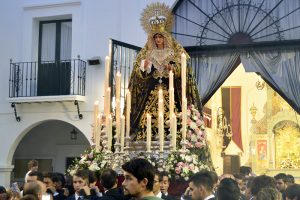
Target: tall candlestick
[(184, 113), (171, 102), (122, 133), (118, 85), (171, 80), (160, 101), (118, 120), (183, 75), (107, 71), (108, 101), (128, 109), (96, 110), (149, 133), (109, 132), (174, 131), (161, 131), (98, 132)]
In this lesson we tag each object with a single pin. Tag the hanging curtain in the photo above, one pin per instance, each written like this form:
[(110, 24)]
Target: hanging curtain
[(211, 71), (280, 69), (48, 42)]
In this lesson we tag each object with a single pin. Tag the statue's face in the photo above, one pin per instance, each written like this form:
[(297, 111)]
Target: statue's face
[(159, 40)]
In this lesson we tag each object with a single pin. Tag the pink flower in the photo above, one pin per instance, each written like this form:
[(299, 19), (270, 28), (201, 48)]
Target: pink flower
[(180, 164), (198, 144), (191, 167), (91, 155), (198, 122)]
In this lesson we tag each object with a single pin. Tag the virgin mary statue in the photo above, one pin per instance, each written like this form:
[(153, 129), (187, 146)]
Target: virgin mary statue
[(160, 54)]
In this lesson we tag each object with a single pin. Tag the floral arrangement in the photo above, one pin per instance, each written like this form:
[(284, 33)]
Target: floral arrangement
[(91, 160), (197, 157)]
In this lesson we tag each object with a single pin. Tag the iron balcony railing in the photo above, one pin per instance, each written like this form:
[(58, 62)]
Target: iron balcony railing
[(47, 78)]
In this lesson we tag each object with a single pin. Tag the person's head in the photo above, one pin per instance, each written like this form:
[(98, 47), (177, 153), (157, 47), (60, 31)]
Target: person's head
[(33, 165), (34, 176), (281, 182), (138, 177), (292, 192), (35, 188), (240, 179), (165, 183), (109, 179), (290, 180), (215, 179), (29, 197), (61, 180), (2, 189), (261, 182), (50, 179), (80, 179), (156, 183), (159, 40), (245, 170), (92, 178), (268, 194), (249, 181), (201, 185), (228, 189)]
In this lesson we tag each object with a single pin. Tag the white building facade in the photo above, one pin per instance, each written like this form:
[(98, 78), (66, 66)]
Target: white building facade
[(85, 27)]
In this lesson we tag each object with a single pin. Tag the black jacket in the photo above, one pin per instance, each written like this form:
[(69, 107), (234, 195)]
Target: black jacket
[(113, 194)]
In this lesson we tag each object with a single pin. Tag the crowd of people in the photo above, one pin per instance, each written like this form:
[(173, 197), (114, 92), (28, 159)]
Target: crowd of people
[(142, 181)]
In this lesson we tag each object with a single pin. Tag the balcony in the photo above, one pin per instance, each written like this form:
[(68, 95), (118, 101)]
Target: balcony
[(62, 80)]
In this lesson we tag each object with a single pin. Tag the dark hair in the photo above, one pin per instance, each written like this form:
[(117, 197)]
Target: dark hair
[(61, 178), (32, 163), (203, 178), (245, 170), (2, 189), (108, 178), (261, 182), (293, 191), (164, 173), (53, 176), (228, 189), (140, 169), (290, 179), (269, 194), (239, 176), (281, 176), (214, 177), (39, 175)]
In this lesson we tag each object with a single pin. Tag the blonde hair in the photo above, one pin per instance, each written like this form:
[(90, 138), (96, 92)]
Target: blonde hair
[(268, 193)]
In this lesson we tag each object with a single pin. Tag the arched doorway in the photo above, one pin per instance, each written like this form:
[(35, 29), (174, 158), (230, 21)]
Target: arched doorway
[(53, 143)]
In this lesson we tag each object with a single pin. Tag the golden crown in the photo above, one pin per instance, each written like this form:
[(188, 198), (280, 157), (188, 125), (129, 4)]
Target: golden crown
[(157, 18)]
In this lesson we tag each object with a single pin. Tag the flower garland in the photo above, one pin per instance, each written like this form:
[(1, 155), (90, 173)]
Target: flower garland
[(197, 157), (91, 160)]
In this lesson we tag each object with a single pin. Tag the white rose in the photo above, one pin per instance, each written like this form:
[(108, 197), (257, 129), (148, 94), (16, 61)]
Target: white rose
[(188, 158), (94, 167)]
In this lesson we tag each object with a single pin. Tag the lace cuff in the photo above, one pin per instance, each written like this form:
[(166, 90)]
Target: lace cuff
[(142, 68)]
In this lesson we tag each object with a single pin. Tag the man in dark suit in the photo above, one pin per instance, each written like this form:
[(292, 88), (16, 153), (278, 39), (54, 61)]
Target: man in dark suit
[(201, 186), (164, 186), (81, 187), (109, 181)]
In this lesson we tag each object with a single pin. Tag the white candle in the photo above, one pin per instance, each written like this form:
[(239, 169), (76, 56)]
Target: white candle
[(96, 109), (108, 101), (98, 132), (184, 109), (171, 80), (118, 85), (161, 131), (160, 101), (128, 110), (107, 71), (109, 133), (171, 102), (174, 132), (183, 75), (122, 133), (149, 133), (118, 120)]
